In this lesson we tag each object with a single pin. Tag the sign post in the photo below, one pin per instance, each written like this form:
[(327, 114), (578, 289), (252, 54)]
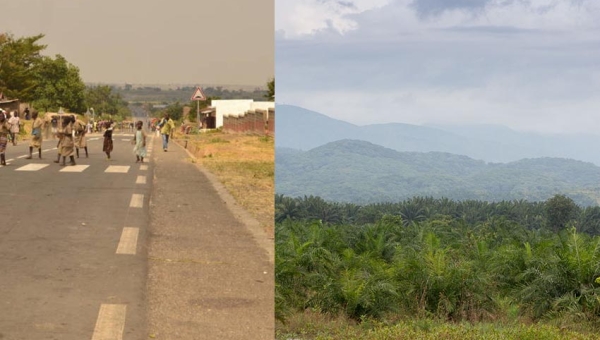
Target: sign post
[(198, 96)]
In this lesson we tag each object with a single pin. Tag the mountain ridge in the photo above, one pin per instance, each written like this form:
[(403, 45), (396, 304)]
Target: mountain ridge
[(363, 172), (303, 129)]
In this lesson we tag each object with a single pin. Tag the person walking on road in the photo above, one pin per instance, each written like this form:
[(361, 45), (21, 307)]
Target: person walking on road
[(107, 146), (140, 142), (55, 127), (14, 123), (167, 126), (67, 144), (36, 135), (80, 141), (4, 132), (57, 130)]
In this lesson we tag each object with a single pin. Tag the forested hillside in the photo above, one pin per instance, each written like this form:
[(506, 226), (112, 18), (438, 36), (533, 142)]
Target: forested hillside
[(361, 172)]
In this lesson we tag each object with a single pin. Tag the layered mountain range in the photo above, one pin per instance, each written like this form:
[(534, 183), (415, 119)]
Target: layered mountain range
[(339, 161)]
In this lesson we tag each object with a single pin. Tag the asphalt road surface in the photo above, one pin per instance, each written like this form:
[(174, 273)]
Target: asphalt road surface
[(60, 228), (118, 250)]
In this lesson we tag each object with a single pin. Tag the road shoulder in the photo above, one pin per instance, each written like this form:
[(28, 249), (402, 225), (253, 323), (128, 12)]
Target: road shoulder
[(210, 271)]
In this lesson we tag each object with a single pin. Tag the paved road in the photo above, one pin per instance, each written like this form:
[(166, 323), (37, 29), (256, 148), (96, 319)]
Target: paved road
[(117, 250), (59, 233)]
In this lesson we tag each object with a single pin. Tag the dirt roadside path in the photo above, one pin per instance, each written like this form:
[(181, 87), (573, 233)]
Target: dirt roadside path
[(210, 264)]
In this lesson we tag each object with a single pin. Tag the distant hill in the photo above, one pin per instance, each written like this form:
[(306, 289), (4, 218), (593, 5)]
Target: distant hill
[(362, 172), (303, 129)]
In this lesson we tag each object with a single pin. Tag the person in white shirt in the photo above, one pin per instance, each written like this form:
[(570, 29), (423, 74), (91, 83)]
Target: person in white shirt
[(14, 123)]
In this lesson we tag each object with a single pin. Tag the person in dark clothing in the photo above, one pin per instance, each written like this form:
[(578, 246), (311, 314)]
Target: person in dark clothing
[(107, 147)]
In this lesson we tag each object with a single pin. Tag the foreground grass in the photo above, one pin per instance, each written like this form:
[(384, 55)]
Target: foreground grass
[(244, 164), (314, 327)]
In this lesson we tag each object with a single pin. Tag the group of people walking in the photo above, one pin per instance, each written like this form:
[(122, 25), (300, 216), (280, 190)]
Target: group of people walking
[(71, 137), (71, 134)]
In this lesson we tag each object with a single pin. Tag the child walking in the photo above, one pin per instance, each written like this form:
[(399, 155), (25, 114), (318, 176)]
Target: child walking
[(140, 142)]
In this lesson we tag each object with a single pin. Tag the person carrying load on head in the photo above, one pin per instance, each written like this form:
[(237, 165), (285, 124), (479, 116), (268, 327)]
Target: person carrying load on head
[(80, 140)]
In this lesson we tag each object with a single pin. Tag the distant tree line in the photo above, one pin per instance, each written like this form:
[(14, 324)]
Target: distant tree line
[(183, 94), (553, 214)]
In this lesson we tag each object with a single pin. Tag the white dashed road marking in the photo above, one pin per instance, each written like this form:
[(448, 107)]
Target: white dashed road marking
[(128, 242), (140, 180), (143, 167), (117, 169), (74, 168), (32, 167), (137, 201), (110, 323)]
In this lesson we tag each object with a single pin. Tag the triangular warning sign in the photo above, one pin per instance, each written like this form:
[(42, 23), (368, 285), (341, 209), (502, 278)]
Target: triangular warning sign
[(198, 95)]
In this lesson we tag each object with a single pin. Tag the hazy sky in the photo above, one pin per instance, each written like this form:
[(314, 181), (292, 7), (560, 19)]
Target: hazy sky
[(153, 41), (527, 64)]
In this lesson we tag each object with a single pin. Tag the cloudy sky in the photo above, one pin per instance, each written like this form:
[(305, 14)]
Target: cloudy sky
[(153, 41), (532, 65)]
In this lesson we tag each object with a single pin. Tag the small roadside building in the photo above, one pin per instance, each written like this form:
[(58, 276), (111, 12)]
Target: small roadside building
[(220, 108)]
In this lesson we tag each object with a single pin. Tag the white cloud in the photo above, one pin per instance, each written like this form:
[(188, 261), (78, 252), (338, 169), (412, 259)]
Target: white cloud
[(308, 18), (297, 18)]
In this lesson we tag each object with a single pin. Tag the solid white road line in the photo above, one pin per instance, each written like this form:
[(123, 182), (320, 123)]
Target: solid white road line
[(140, 180), (128, 242), (143, 167), (32, 167), (117, 169), (74, 168), (137, 201), (23, 156), (110, 323)]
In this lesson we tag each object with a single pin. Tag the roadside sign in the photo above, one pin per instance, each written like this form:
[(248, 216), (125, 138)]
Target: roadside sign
[(198, 95)]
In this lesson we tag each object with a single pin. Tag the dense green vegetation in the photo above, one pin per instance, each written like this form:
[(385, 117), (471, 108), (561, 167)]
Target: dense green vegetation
[(510, 262), (311, 326), (361, 172)]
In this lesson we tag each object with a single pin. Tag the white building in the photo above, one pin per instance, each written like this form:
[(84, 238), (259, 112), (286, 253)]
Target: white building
[(237, 107)]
